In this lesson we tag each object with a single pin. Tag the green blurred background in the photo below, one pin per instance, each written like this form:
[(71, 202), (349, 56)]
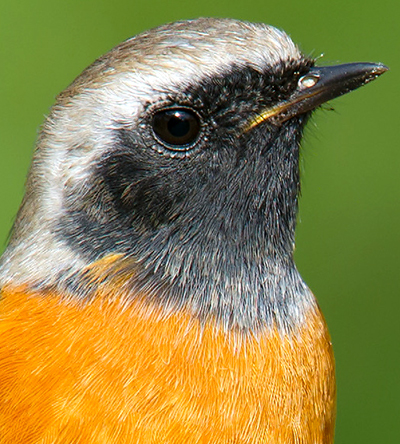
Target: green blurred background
[(349, 231)]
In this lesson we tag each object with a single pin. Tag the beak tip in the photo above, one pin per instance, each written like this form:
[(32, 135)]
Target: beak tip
[(380, 68), (374, 70)]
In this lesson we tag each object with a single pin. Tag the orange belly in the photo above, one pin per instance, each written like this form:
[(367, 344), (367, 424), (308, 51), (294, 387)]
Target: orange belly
[(109, 372)]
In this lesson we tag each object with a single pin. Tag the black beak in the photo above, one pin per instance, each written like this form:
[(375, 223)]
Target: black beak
[(319, 85)]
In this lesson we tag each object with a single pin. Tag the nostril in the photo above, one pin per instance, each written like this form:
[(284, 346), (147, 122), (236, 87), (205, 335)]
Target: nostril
[(308, 81)]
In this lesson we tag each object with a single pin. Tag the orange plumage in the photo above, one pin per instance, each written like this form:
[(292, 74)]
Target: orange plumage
[(149, 293), (132, 374)]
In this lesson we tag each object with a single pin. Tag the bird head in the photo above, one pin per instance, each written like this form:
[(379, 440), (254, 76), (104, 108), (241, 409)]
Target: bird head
[(180, 150)]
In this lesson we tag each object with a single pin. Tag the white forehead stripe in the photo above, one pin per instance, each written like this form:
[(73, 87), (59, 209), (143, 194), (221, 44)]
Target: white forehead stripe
[(216, 44), (189, 50), (170, 58)]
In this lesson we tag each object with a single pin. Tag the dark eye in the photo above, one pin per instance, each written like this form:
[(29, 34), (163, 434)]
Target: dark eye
[(178, 128)]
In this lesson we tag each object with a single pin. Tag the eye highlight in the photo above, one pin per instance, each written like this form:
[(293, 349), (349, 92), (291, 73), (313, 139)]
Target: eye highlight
[(176, 128)]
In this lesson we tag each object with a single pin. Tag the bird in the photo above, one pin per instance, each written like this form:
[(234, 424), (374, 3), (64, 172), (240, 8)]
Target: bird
[(149, 292)]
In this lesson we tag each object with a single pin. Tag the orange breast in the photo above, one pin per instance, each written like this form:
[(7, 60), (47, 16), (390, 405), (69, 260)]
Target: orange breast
[(109, 372)]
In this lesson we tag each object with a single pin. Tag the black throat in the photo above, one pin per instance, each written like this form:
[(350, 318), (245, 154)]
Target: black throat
[(211, 232)]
